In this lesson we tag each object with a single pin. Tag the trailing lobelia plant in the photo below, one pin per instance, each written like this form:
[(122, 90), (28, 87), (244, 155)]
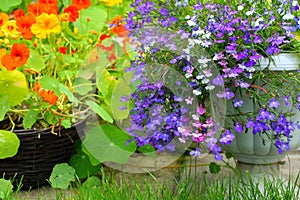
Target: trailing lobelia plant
[(235, 36)]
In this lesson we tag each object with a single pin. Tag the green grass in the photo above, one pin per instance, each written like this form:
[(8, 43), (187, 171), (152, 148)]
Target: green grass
[(189, 185)]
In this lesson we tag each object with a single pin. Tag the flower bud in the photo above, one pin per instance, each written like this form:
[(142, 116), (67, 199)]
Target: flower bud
[(75, 31)]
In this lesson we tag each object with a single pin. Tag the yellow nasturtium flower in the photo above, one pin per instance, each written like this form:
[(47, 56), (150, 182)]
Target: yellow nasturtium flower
[(3, 19), (46, 24), (9, 29), (2, 53), (111, 2)]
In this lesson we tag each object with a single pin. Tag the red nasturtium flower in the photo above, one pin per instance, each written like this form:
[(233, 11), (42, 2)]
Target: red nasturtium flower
[(73, 13), (63, 50), (18, 57), (19, 13), (47, 95), (81, 4), (24, 23)]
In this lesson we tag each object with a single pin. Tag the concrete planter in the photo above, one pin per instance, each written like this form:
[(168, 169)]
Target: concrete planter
[(258, 149)]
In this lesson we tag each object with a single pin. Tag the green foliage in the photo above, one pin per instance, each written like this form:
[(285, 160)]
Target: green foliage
[(214, 168), (4, 107), (82, 86), (82, 165), (100, 111), (6, 188), (66, 123), (91, 182), (30, 118), (13, 84), (62, 175), (108, 143), (147, 150), (91, 19), (6, 5), (9, 144), (35, 61)]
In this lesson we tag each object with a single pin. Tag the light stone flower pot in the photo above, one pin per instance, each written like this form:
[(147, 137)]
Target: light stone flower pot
[(249, 148)]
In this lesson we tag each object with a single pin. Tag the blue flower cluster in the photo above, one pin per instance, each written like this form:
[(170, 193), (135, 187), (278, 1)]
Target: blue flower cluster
[(155, 116)]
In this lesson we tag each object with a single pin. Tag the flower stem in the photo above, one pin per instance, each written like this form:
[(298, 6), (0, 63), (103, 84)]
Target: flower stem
[(12, 122)]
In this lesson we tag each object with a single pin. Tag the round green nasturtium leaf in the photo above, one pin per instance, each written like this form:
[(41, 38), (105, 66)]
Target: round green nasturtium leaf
[(14, 85), (82, 165), (36, 61), (6, 188), (62, 175), (108, 143), (92, 182), (92, 18), (9, 144)]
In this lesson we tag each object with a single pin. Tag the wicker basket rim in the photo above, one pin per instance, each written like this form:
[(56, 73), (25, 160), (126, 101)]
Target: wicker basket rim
[(44, 130)]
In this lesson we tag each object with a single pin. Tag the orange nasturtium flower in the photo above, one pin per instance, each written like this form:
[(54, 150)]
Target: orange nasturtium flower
[(24, 23), (112, 2), (9, 29), (120, 30), (34, 9), (47, 95), (81, 4), (18, 57), (49, 2), (45, 24)]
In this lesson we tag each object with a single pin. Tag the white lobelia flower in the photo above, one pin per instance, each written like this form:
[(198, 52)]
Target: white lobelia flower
[(199, 77), (250, 69), (205, 81), (187, 75), (203, 60), (210, 87), (191, 23), (257, 22), (197, 92), (198, 41), (240, 7), (295, 3), (250, 12), (288, 16)]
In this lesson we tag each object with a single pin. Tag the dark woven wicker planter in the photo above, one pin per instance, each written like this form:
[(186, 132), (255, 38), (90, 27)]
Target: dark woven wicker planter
[(39, 151)]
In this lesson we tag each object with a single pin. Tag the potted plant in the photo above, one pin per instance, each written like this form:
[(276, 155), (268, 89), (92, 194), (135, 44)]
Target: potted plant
[(226, 50), (44, 100)]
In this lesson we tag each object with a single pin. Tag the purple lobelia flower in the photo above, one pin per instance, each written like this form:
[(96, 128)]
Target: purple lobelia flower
[(227, 137), (273, 103), (238, 127)]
